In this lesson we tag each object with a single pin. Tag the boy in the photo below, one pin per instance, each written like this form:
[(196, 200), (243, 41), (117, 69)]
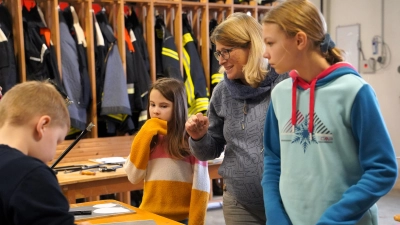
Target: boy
[(33, 120)]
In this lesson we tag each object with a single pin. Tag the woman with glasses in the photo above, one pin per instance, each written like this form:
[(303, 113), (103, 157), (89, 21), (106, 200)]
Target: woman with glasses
[(236, 116)]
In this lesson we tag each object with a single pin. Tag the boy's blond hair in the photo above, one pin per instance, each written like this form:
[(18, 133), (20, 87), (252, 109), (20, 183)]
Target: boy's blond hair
[(31, 99)]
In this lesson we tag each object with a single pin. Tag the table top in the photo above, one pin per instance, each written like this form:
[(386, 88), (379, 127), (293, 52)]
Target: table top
[(139, 215), (76, 177)]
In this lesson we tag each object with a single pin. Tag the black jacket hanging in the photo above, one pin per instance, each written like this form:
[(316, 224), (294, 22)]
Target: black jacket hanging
[(41, 63), (140, 76), (8, 69), (140, 41)]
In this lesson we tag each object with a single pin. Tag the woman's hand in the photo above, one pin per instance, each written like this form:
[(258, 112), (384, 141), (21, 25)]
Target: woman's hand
[(197, 126)]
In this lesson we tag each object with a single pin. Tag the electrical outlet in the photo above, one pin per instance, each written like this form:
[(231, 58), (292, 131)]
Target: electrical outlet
[(367, 65), (381, 59)]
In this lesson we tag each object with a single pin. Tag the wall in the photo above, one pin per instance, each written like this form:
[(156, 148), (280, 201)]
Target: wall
[(317, 3), (386, 81)]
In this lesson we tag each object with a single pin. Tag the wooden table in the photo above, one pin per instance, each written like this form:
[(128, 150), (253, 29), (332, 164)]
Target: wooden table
[(139, 215), (75, 186)]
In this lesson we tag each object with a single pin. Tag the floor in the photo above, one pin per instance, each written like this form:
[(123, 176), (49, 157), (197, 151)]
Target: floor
[(389, 205)]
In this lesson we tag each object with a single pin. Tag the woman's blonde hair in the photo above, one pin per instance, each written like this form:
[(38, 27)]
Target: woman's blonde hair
[(31, 99), (242, 30), (294, 16)]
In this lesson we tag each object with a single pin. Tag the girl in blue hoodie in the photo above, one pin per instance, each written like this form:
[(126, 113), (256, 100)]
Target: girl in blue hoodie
[(328, 156)]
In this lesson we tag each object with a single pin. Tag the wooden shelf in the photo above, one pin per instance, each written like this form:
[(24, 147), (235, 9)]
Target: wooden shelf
[(166, 4), (98, 1), (201, 14), (193, 4), (238, 6), (219, 6), (264, 8), (137, 1)]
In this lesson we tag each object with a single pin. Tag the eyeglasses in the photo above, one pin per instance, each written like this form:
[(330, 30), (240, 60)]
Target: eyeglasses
[(224, 53)]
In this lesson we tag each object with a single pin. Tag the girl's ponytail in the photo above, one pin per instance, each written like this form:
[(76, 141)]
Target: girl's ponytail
[(333, 55), (329, 51)]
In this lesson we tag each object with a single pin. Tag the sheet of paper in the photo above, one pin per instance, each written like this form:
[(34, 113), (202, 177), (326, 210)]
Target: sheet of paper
[(110, 210), (106, 205), (109, 160)]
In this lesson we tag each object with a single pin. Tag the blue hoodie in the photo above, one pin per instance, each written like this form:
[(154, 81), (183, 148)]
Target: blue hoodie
[(328, 156)]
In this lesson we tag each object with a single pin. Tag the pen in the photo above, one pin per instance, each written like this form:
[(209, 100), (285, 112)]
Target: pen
[(79, 213)]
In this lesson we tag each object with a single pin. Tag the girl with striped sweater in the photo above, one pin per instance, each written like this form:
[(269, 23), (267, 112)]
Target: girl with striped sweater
[(176, 184)]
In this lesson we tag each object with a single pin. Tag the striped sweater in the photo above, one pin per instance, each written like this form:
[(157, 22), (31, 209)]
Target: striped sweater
[(176, 189)]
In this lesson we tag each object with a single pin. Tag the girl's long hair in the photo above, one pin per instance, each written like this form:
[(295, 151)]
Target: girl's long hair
[(174, 90)]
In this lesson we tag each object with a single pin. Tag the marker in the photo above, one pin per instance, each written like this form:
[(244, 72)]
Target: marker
[(87, 173)]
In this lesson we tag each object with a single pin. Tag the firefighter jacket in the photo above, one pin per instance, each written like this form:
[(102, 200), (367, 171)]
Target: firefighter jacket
[(114, 103), (41, 63), (216, 76), (167, 59), (195, 83), (133, 21), (138, 77)]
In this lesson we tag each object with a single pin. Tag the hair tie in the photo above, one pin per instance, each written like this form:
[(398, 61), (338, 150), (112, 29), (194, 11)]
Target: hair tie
[(327, 43)]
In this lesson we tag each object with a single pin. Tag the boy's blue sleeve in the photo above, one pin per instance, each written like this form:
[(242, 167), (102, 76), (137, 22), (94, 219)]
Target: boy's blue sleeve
[(274, 209), (377, 159)]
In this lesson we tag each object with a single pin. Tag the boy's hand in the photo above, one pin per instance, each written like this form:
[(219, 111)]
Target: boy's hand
[(84, 223), (197, 126)]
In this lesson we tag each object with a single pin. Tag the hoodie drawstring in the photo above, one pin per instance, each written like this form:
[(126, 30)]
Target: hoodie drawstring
[(312, 103), (294, 101), (311, 106)]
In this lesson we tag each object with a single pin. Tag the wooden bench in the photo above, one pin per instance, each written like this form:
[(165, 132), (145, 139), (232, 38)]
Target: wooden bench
[(93, 148)]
